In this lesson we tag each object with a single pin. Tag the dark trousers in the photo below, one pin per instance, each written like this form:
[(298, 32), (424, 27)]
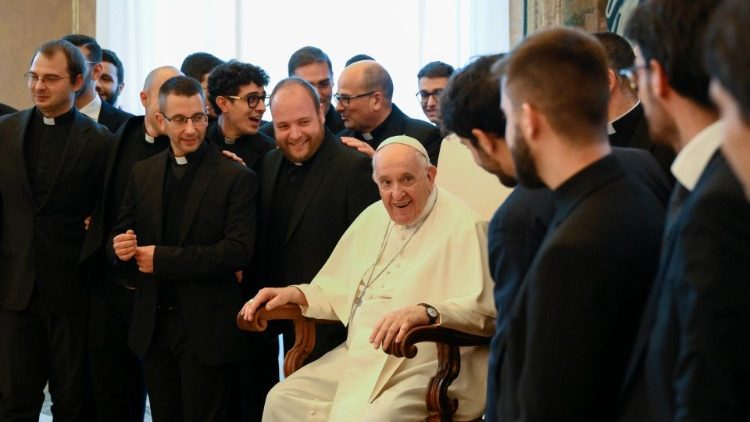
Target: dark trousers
[(180, 387), (116, 372), (37, 347), (257, 374)]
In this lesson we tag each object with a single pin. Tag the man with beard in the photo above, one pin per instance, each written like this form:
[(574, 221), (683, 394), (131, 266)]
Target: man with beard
[(689, 361), (312, 189), (576, 313), (314, 66), (87, 100), (110, 84), (237, 94), (470, 107)]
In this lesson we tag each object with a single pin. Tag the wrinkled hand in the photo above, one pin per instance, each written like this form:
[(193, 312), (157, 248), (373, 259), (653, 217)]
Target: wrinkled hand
[(234, 157), (125, 244), (394, 325), (272, 298), (144, 256), (360, 146)]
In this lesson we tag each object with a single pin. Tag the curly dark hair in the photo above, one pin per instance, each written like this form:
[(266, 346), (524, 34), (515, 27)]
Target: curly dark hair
[(227, 78)]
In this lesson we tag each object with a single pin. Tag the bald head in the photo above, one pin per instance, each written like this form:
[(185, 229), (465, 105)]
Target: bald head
[(371, 76), (150, 93)]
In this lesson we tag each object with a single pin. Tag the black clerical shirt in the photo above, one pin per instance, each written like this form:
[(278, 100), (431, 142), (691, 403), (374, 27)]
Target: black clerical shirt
[(43, 150), (250, 148)]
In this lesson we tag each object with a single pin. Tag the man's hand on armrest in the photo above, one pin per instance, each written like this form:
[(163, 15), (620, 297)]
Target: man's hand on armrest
[(272, 298), (394, 326)]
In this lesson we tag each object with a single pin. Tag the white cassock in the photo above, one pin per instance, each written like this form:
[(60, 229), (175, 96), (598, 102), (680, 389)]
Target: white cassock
[(442, 262)]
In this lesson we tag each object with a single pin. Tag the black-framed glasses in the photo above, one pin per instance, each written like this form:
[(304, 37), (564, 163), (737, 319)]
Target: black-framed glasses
[(424, 96), (198, 119), (252, 100), (33, 78), (631, 75), (346, 99)]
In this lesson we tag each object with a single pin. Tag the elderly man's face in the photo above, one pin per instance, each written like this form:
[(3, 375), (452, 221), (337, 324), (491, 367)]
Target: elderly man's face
[(405, 182), (355, 110), (736, 147)]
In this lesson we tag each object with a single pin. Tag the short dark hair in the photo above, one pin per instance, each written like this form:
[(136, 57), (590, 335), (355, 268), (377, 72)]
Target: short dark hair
[(93, 50), (725, 56), (305, 56), (294, 80), (109, 56), (672, 33), (358, 58), (435, 69), (472, 100), (227, 78), (184, 86), (563, 73), (620, 54), (197, 65), (73, 56)]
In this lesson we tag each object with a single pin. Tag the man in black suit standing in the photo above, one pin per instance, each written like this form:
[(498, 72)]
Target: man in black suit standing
[(312, 188), (116, 372), (188, 221), (237, 92), (314, 66), (627, 125), (88, 101), (571, 327), (364, 100), (687, 364), (50, 174)]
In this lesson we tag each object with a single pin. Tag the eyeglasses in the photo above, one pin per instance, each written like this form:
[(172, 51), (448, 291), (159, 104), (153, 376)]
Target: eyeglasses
[(346, 99), (631, 74), (252, 100), (424, 96), (33, 78), (198, 119)]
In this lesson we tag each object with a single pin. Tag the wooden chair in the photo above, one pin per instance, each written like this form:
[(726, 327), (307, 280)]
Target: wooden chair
[(440, 406)]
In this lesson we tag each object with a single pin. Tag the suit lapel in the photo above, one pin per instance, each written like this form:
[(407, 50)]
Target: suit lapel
[(205, 173), (270, 171), (319, 168), (154, 192), (77, 139), (23, 122)]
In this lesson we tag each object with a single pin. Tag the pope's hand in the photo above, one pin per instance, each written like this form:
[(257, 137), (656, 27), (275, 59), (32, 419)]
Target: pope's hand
[(394, 326)]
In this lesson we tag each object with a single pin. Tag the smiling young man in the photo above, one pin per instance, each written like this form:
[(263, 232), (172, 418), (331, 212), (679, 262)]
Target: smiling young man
[(188, 222), (237, 92), (312, 188), (51, 165), (432, 80)]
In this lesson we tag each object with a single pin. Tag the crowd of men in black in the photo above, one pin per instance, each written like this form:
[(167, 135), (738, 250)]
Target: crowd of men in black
[(621, 260)]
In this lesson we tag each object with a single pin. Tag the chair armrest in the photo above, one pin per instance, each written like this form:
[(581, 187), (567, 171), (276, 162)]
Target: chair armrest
[(304, 331), (439, 405)]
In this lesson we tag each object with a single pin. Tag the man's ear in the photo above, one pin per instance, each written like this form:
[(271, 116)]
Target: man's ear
[(485, 141), (531, 121), (144, 98), (658, 81), (223, 103), (161, 121), (612, 80), (97, 71), (78, 84)]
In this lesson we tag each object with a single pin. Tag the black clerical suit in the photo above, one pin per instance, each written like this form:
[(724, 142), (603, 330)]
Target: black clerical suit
[(333, 123), (112, 117), (50, 177), (304, 211), (690, 361), (571, 325), (6, 109), (631, 131), (116, 372), (201, 217), (398, 123), (250, 148)]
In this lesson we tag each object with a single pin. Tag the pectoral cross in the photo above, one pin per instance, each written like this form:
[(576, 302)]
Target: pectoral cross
[(358, 299)]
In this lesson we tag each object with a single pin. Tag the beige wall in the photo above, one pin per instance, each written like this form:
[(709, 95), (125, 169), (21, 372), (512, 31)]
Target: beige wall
[(24, 26)]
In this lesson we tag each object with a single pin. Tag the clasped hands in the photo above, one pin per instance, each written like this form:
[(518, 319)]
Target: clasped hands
[(126, 247), (391, 327)]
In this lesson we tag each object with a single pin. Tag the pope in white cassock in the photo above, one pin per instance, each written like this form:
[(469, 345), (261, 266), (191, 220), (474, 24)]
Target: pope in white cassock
[(420, 250)]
